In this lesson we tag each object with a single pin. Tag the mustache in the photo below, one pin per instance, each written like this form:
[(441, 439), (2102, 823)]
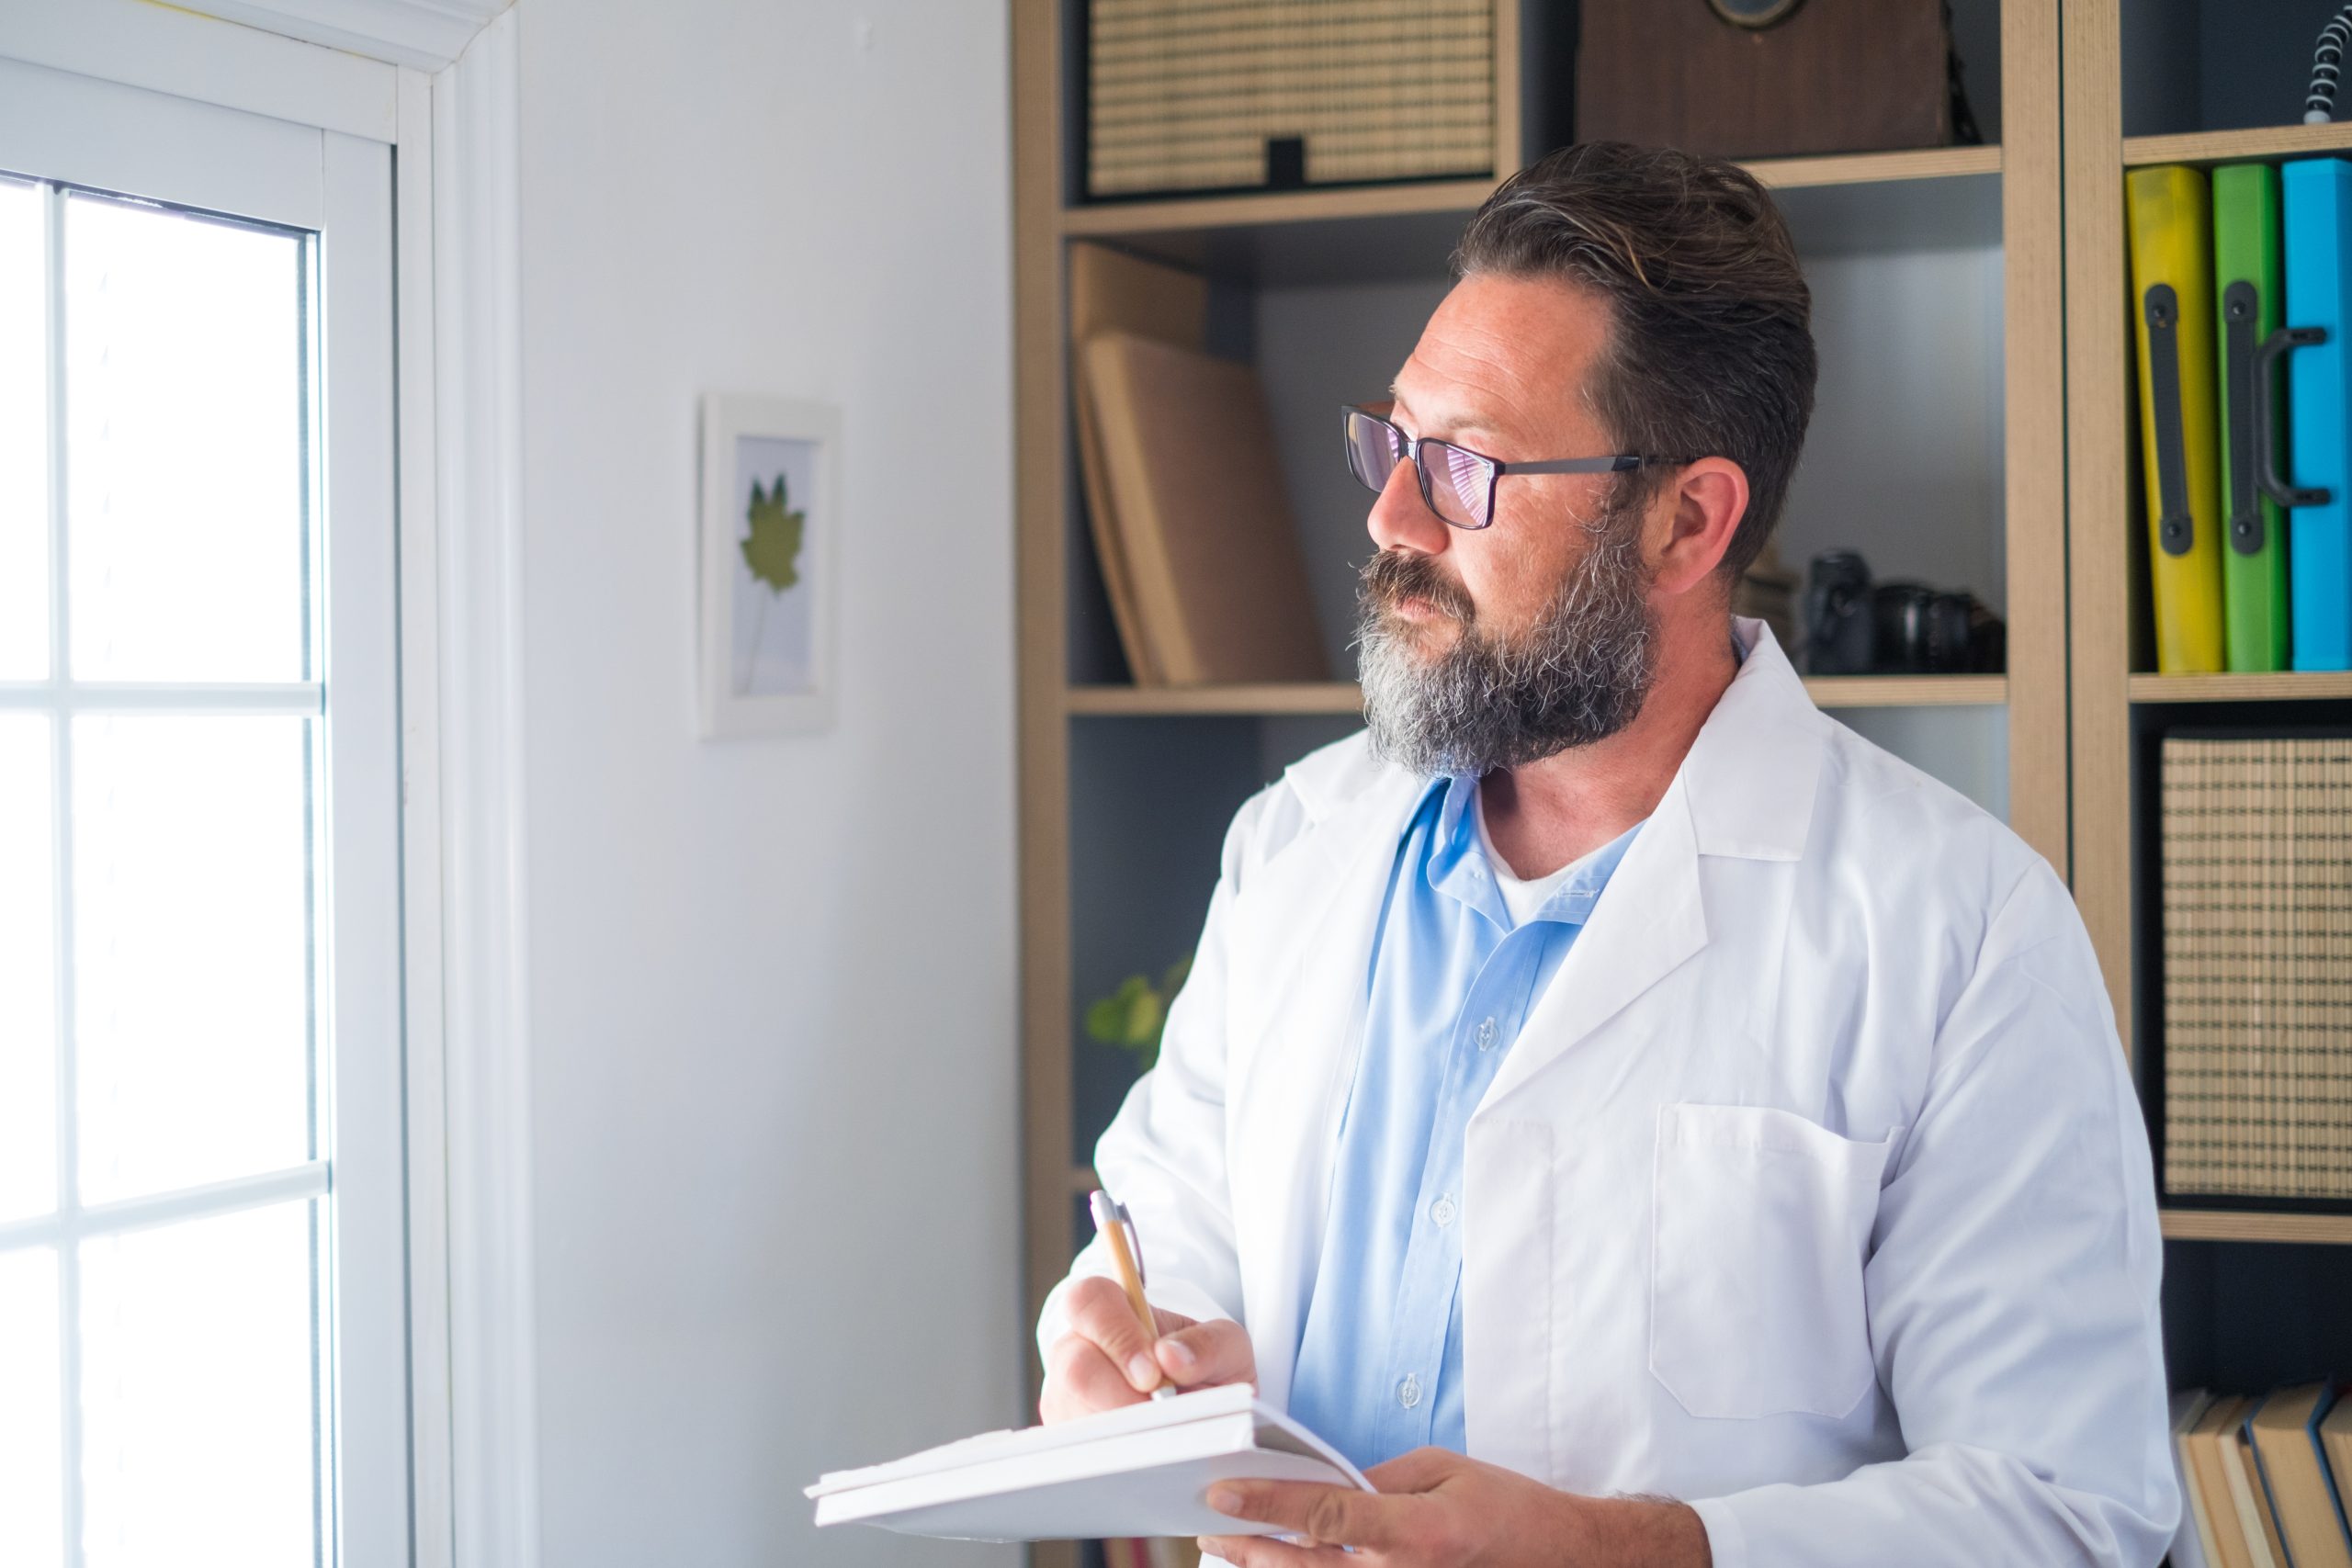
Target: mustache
[(1390, 578)]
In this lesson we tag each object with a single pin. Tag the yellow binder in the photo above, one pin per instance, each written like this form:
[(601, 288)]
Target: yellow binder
[(2172, 315)]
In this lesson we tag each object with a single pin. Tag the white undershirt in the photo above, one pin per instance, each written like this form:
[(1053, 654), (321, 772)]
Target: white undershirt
[(1522, 898)]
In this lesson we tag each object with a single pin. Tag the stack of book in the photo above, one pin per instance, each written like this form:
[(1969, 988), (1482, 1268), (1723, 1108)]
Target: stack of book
[(2249, 546), (2262, 1481)]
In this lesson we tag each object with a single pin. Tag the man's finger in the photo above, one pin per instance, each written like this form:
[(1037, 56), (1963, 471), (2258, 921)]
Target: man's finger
[(1080, 1381), (1099, 1311), (1264, 1552), (1341, 1516), (1423, 1470), (1212, 1352)]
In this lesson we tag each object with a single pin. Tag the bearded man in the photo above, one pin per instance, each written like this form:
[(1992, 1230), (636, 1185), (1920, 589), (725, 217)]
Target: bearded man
[(1629, 1116)]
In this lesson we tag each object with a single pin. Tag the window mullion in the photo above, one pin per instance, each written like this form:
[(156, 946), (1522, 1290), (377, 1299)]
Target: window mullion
[(300, 1183), (69, 1258)]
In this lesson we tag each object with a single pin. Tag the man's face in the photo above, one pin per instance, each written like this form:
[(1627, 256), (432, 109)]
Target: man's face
[(1496, 646)]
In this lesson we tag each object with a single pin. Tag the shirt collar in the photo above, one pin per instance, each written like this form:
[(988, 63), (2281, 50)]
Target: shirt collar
[(1455, 861)]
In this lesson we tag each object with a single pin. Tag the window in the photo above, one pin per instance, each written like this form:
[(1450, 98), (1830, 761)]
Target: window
[(201, 1315)]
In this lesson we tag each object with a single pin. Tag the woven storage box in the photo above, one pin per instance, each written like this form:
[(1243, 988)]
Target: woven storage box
[(2258, 966), (1220, 95)]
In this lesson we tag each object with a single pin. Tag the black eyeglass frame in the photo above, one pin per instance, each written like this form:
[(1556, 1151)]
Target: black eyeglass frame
[(1411, 449)]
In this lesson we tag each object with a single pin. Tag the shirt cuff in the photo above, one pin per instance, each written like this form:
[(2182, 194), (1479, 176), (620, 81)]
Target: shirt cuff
[(1726, 1547)]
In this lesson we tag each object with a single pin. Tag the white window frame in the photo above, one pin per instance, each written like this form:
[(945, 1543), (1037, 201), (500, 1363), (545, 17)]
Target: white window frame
[(429, 88)]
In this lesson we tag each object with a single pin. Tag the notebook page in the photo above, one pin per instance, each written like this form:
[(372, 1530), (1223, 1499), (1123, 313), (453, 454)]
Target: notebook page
[(1149, 1415)]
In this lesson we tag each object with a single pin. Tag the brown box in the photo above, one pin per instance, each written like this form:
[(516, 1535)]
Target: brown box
[(1834, 77)]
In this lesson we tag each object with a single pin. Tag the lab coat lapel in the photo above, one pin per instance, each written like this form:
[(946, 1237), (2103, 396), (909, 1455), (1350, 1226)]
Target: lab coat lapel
[(1649, 920), (1313, 936), (1745, 790)]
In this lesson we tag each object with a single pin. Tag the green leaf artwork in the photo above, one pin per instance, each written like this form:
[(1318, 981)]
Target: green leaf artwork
[(773, 551), (1131, 1017)]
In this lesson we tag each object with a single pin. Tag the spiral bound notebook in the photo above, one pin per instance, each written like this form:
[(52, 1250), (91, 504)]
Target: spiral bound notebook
[(1140, 1471)]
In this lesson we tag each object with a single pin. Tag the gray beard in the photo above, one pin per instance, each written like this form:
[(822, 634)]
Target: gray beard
[(1580, 675)]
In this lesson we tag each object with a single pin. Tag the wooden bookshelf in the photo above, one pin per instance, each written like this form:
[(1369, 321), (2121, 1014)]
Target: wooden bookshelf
[(1315, 698), (1344, 697), (1875, 168), (2286, 687), (2230, 1310), (1907, 691), (1118, 220), (2051, 205), (2236, 146), (2241, 1224), (1126, 219)]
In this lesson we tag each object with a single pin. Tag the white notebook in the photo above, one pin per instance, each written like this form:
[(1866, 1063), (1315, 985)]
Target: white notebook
[(1143, 1470)]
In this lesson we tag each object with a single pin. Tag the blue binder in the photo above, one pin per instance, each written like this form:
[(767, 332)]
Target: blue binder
[(2318, 224)]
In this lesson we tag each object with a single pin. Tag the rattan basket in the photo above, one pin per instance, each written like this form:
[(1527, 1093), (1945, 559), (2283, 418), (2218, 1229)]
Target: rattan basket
[(1219, 95), (2257, 965)]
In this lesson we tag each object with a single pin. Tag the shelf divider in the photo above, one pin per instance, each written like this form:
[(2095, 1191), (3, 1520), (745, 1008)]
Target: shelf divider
[(1344, 697), (1907, 691), (2303, 685), (2241, 1225), (1257, 208), (2228, 146)]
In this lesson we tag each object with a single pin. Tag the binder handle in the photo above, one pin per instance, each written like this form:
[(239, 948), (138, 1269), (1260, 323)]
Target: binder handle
[(2241, 319), (2176, 524), (2266, 446)]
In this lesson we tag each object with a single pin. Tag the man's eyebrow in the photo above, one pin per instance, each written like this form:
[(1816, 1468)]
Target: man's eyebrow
[(1464, 427)]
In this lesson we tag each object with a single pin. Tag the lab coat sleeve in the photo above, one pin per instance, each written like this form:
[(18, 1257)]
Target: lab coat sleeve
[(2012, 1294), (1163, 1156)]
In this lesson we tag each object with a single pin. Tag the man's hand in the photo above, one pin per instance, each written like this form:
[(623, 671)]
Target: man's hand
[(1436, 1509), (1106, 1360)]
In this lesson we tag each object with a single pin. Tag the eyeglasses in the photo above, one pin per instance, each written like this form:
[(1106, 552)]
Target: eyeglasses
[(1457, 483)]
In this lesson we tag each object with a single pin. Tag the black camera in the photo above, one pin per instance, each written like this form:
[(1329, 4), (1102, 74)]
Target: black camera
[(1854, 626)]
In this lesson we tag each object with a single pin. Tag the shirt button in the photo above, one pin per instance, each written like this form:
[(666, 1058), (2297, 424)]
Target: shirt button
[(1442, 1212), (1408, 1393), (1487, 1035)]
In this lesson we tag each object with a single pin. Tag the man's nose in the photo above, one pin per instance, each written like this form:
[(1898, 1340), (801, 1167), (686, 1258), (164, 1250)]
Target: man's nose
[(1401, 520)]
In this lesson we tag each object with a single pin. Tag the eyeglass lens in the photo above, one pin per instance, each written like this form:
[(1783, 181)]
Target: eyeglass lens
[(1455, 482)]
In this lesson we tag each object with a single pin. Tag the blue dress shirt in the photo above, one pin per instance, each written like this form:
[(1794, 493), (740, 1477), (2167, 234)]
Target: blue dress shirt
[(1379, 1368)]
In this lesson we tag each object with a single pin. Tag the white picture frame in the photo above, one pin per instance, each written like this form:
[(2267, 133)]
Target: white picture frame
[(770, 544)]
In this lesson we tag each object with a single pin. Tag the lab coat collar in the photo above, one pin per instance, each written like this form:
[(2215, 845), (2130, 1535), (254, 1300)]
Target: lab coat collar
[(1751, 773)]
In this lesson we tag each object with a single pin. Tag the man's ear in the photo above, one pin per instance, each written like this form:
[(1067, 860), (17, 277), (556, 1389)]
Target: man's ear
[(1703, 508)]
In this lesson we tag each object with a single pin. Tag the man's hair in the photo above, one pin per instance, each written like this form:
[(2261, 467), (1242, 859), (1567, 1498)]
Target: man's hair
[(1710, 344)]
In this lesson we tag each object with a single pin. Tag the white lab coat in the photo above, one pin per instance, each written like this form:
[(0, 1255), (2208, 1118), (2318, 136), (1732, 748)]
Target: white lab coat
[(1814, 1190)]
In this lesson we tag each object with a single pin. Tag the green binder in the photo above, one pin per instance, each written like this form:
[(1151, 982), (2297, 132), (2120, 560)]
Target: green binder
[(2248, 293)]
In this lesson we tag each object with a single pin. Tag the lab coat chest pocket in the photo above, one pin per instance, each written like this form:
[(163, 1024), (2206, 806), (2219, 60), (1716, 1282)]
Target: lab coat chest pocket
[(1759, 1223)]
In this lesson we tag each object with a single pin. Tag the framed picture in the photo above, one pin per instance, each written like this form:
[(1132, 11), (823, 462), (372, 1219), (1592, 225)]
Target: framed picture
[(770, 509)]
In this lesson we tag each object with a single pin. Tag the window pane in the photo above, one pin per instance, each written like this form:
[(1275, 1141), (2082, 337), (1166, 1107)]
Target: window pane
[(197, 1407), (23, 439), (191, 949), (184, 446), (32, 1508), (28, 973)]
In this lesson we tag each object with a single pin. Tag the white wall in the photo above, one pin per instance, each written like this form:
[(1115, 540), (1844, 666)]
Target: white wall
[(773, 982)]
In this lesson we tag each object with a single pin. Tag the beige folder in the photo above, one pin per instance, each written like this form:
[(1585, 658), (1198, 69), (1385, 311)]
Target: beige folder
[(1203, 522), (1111, 290)]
